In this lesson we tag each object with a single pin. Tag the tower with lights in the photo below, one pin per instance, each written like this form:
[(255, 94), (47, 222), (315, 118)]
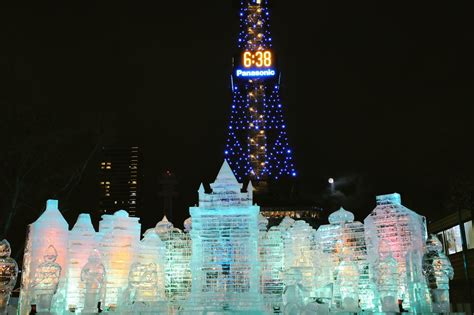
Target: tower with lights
[(257, 142)]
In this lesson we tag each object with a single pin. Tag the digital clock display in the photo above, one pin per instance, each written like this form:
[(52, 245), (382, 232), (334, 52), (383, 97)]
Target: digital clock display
[(257, 59)]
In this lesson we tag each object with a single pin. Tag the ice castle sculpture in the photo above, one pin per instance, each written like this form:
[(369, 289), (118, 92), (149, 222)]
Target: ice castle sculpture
[(343, 232), (228, 260), (225, 257), (392, 229), (438, 271), (8, 274)]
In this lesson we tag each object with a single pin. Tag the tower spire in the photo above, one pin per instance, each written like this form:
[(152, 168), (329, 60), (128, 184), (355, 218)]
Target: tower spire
[(257, 143)]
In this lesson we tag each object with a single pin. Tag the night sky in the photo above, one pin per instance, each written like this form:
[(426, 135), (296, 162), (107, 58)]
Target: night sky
[(377, 94)]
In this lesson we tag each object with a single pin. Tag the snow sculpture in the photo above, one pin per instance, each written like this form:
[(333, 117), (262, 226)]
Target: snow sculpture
[(49, 230), (82, 241), (46, 280), (400, 230), (119, 237), (177, 255), (8, 274), (388, 283), (343, 232), (225, 260), (438, 271), (92, 279)]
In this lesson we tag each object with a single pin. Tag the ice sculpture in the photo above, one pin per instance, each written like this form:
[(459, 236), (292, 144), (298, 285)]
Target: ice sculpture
[(299, 253), (295, 294), (177, 256), (348, 281), (417, 288), (225, 260), (343, 232), (400, 230), (150, 267), (120, 236), (46, 280), (49, 233), (388, 283), (82, 242), (8, 274), (92, 279), (438, 271)]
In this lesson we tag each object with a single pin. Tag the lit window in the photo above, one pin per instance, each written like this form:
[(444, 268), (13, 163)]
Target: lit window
[(468, 228)]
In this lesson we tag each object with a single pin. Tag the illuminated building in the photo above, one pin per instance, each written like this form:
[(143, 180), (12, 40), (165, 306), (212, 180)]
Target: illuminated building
[(312, 215), (257, 142), (120, 179)]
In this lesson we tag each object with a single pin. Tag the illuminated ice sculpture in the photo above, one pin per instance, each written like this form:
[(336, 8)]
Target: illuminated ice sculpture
[(225, 258), (8, 274)]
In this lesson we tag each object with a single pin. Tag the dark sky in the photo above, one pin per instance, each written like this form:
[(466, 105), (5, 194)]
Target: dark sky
[(378, 94)]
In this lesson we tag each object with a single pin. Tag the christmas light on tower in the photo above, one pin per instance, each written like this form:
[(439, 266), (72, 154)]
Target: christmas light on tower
[(257, 142)]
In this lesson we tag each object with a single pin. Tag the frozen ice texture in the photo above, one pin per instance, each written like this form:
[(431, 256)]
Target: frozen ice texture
[(225, 258), (119, 237), (47, 245), (93, 277), (438, 271), (8, 274), (82, 242), (394, 229), (343, 232)]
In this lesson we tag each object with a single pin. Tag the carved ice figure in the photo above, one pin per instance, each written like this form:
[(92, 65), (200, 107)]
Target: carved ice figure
[(119, 237), (295, 294), (388, 283), (348, 282), (93, 279), (8, 274), (401, 230), (46, 280), (343, 232), (82, 241), (438, 271), (49, 229)]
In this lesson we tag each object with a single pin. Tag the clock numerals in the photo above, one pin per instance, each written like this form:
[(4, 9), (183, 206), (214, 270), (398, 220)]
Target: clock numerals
[(259, 59)]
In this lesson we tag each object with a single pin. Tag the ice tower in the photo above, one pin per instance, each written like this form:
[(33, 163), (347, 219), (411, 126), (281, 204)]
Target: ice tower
[(392, 229), (225, 258), (257, 142)]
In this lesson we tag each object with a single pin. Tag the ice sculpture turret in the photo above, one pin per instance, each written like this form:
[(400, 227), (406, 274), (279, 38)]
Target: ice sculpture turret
[(8, 274), (82, 242), (438, 271), (225, 259), (119, 237), (343, 232), (400, 230), (48, 234)]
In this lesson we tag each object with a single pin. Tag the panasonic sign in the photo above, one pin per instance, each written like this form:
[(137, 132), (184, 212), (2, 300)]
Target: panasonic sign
[(254, 73)]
